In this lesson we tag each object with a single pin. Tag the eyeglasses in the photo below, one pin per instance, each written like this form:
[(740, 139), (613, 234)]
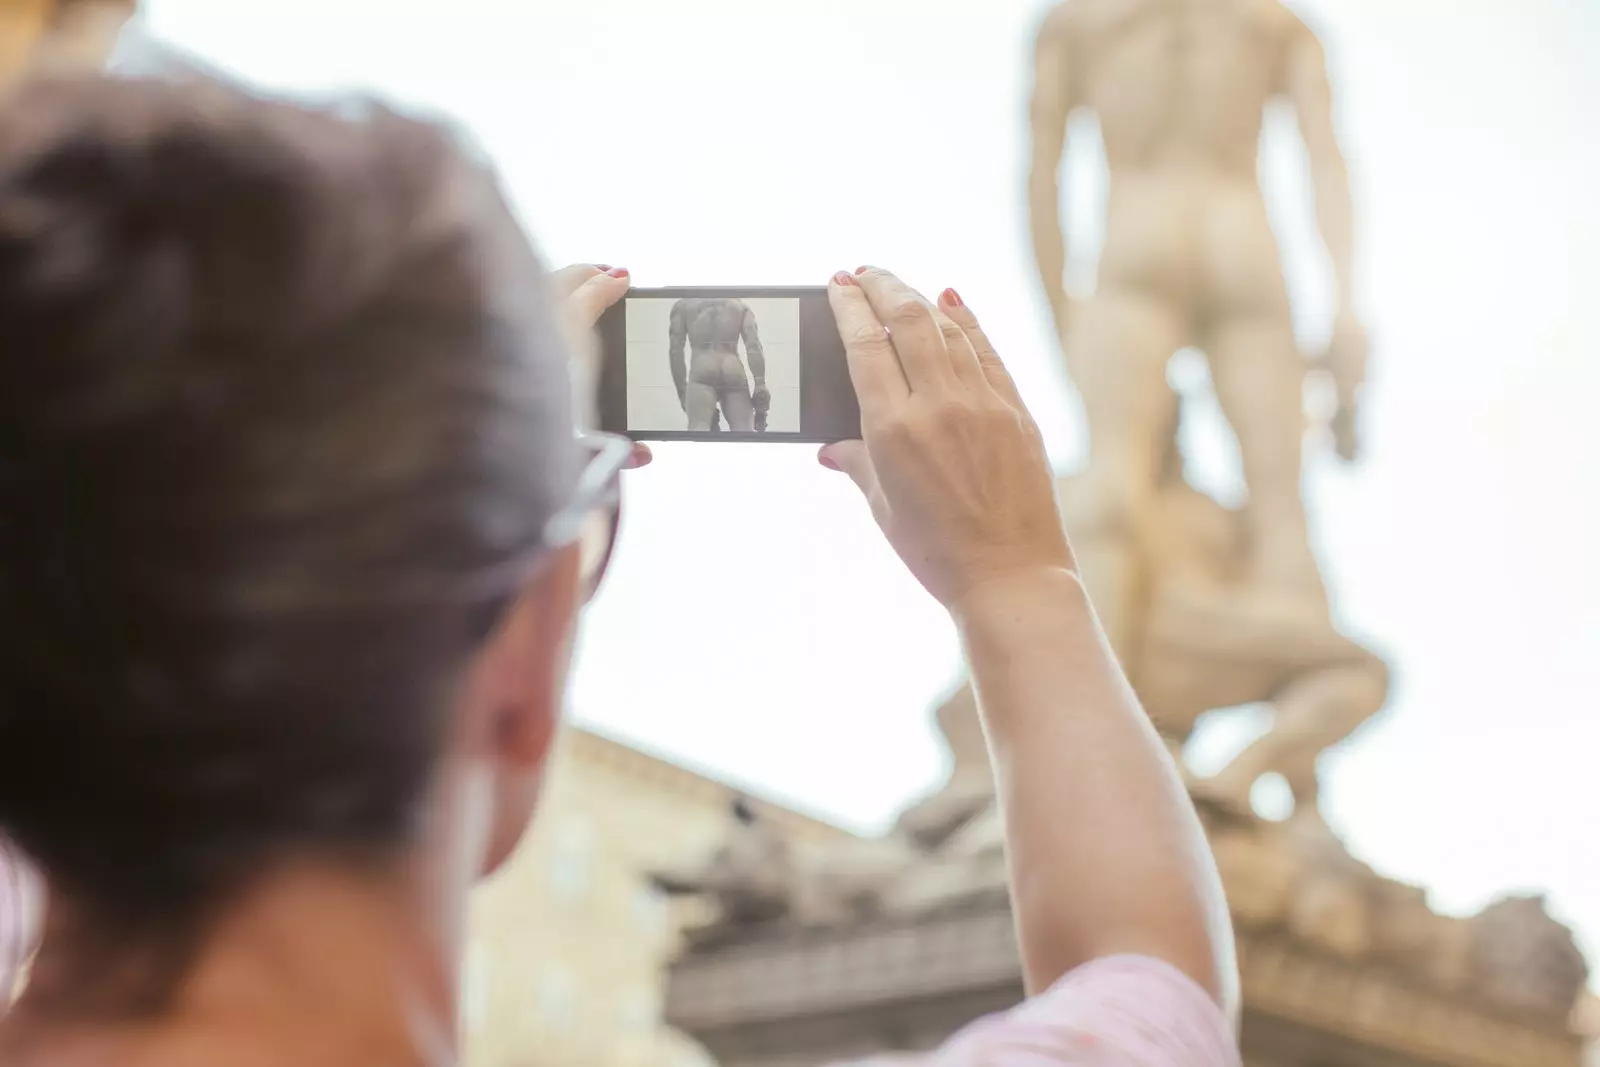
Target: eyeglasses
[(591, 518)]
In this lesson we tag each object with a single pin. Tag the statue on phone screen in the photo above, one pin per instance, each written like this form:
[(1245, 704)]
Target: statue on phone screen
[(713, 379)]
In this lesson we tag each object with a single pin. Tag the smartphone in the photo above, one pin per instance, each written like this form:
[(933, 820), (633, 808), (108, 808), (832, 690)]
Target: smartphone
[(725, 364)]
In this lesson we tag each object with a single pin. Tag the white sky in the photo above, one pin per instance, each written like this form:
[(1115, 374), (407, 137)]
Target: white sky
[(754, 625)]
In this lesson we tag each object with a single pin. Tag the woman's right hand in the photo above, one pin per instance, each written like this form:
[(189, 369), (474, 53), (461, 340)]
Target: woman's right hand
[(950, 461)]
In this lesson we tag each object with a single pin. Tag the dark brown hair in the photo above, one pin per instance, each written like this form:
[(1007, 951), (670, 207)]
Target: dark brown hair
[(276, 385)]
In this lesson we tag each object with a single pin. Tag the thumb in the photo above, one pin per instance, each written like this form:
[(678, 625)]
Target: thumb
[(596, 293), (851, 458)]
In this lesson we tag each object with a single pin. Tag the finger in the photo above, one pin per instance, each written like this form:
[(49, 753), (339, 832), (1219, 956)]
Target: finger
[(875, 371), (963, 354), (641, 456), (994, 371), (594, 294), (850, 458), (567, 279), (912, 330)]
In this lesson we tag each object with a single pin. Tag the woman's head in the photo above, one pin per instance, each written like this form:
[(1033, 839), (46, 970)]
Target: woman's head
[(284, 421)]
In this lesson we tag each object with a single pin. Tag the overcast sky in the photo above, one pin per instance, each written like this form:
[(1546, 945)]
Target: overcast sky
[(755, 627)]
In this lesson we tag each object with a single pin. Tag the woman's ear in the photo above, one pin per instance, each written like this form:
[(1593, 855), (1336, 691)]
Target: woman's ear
[(512, 709)]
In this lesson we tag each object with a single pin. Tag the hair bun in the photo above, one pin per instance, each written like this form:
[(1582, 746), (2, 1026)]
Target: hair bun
[(165, 219)]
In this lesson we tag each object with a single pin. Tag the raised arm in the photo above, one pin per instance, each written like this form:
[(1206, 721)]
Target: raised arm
[(1049, 109), (1107, 854), (752, 349), (677, 336)]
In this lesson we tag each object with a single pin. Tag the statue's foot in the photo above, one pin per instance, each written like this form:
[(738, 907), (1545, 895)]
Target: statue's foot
[(1309, 827), (1223, 793)]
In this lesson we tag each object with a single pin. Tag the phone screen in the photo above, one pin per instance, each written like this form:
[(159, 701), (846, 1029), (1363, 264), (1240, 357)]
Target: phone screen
[(721, 364)]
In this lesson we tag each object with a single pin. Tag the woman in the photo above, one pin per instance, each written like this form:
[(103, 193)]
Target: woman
[(294, 533)]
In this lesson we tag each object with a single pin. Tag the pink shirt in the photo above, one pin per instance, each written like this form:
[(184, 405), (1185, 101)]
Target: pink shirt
[(1124, 1011)]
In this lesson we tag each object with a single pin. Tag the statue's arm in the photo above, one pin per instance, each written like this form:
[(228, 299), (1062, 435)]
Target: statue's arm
[(753, 350), (677, 337), (1049, 109), (1311, 94)]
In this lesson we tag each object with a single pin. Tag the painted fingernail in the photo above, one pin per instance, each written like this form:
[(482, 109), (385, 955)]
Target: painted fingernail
[(862, 270), (843, 278), (603, 268), (826, 461), (617, 272), (953, 298)]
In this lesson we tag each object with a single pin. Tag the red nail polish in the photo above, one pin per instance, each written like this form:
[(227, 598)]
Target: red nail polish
[(617, 272), (953, 298), (826, 462), (843, 279), (862, 270)]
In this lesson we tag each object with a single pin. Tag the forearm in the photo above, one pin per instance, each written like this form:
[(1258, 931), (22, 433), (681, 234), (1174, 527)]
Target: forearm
[(1107, 854), (758, 365)]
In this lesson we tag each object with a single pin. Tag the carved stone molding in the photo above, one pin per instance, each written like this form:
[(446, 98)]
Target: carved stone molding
[(910, 983)]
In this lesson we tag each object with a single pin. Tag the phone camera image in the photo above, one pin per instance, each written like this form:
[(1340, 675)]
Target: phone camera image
[(713, 363), (721, 364)]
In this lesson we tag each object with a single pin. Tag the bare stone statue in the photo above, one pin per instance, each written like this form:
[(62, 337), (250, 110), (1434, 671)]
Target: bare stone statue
[(757, 879), (715, 376), (1199, 646), (750, 876), (1203, 644), (1179, 88)]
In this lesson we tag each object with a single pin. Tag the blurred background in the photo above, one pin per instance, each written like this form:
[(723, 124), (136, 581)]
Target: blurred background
[(756, 635)]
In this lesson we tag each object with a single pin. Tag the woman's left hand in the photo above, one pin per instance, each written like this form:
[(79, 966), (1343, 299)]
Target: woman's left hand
[(586, 290)]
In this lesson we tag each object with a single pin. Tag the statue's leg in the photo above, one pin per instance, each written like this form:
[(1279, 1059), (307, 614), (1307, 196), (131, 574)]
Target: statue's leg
[(700, 400), (1311, 714), (1259, 376), (736, 406), (1118, 348)]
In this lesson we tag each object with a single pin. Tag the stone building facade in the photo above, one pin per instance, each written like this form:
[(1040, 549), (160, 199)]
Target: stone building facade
[(568, 946)]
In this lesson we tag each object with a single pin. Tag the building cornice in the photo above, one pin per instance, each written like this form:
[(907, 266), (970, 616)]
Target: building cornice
[(593, 749), (821, 973)]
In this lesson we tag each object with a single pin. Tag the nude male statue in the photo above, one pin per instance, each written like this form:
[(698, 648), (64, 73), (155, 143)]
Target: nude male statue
[(1201, 646), (1204, 646), (715, 376), (1179, 88)]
